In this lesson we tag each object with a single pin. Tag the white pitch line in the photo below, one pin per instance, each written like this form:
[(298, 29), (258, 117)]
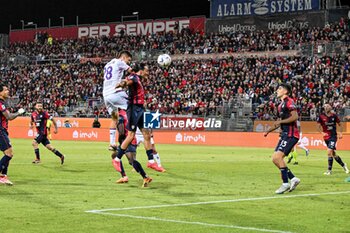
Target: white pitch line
[(219, 201), (193, 223)]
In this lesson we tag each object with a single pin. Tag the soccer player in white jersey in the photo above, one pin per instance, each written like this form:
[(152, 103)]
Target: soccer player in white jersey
[(115, 98)]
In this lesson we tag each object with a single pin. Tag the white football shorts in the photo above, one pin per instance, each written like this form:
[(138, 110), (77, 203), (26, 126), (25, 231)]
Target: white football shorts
[(115, 101)]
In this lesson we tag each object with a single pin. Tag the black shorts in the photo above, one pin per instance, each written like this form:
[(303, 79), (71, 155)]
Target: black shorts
[(41, 138), (286, 144), (131, 148), (331, 143), (135, 117), (4, 140)]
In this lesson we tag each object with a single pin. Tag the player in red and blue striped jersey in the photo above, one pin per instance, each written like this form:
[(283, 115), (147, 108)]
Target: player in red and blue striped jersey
[(289, 137), (5, 144), (39, 119), (328, 127), (135, 119)]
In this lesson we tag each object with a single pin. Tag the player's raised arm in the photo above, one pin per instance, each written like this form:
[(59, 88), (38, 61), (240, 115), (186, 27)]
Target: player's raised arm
[(11, 116)]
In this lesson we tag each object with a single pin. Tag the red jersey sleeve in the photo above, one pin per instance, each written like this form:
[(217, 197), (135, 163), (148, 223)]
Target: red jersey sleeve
[(47, 115), (337, 119), (290, 105), (2, 107)]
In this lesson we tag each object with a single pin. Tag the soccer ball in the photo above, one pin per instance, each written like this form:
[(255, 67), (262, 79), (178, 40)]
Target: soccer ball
[(164, 60)]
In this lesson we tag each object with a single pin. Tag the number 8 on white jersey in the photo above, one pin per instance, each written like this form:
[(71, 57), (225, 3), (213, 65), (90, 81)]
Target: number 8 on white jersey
[(113, 74)]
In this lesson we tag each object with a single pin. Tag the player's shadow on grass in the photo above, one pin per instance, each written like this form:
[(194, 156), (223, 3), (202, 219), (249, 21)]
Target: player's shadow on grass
[(62, 168), (50, 182), (177, 176), (32, 197)]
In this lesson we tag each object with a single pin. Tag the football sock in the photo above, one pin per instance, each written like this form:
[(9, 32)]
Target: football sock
[(338, 159), (157, 159), (4, 171), (330, 163), (150, 155), (4, 163), (120, 153), (284, 174), (139, 168), (290, 174), (122, 168), (57, 153), (112, 132), (37, 153)]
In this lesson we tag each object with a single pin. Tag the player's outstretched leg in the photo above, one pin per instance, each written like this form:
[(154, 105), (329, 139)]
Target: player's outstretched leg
[(341, 163), (56, 152), (139, 169)]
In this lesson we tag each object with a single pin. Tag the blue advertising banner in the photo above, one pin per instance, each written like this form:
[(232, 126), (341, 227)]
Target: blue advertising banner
[(270, 22), (225, 8)]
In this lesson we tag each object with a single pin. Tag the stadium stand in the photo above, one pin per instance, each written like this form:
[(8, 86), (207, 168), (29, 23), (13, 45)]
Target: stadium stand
[(191, 86)]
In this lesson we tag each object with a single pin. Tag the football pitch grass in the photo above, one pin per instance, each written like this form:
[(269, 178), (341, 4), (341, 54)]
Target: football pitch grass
[(205, 189)]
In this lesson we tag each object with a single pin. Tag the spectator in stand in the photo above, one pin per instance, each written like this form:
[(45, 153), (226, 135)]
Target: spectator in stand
[(50, 40), (96, 123), (67, 124)]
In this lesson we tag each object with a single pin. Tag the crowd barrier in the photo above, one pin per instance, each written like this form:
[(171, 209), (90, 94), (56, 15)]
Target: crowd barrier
[(206, 138)]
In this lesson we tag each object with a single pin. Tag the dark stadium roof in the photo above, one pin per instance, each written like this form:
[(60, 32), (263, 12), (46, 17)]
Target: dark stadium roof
[(93, 11)]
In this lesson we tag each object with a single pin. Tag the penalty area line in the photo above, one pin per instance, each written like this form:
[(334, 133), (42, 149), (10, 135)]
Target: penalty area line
[(106, 211), (189, 222), (220, 201)]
